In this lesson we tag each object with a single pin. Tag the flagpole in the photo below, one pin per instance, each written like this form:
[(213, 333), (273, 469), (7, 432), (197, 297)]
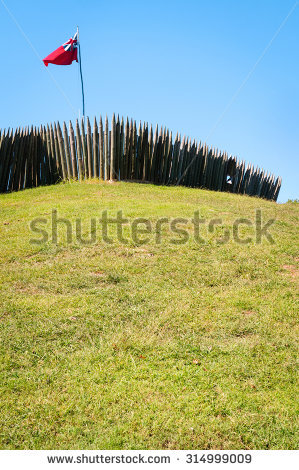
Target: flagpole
[(82, 87)]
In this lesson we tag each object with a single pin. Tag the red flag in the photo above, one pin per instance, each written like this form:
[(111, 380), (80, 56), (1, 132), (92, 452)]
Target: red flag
[(65, 54)]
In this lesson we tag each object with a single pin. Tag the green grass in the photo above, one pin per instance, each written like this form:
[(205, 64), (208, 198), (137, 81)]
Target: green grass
[(164, 346)]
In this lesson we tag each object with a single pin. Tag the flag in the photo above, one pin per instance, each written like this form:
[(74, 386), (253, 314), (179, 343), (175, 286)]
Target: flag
[(65, 54)]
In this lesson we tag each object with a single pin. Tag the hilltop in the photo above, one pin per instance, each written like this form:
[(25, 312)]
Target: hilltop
[(147, 345)]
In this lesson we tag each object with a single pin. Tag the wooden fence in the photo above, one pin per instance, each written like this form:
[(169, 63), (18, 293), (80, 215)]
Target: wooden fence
[(48, 154)]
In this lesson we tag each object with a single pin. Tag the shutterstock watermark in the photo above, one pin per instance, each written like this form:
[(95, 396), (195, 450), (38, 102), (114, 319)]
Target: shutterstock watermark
[(142, 230)]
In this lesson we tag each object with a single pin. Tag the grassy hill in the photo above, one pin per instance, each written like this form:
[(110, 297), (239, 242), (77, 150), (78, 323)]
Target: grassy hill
[(147, 345)]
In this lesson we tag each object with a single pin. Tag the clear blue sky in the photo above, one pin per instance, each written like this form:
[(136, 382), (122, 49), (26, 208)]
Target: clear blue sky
[(178, 63)]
